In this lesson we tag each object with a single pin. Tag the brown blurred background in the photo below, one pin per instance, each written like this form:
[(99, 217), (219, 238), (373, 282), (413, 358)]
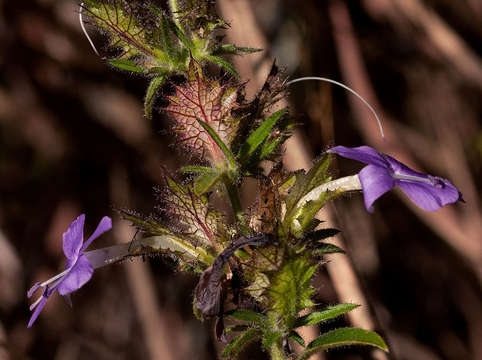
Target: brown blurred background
[(73, 140)]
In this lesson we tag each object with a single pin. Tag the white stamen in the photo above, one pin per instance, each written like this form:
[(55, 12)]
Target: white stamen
[(34, 305), (413, 178), (45, 283), (317, 78), (85, 31)]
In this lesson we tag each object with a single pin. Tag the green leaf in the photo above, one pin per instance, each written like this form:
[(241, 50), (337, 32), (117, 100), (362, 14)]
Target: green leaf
[(206, 181), (290, 289), (312, 224), (324, 315), (239, 342), (269, 147), (249, 316), (231, 49), (180, 35), (227, 153), (343, 337), (322, 234), (326, 248), (164, 33), (297, 338), (236, 328), (148, 226), (177, 245), (196, 169), (151, 94), (259, 135), (307, 182), (125, 64), (223, 63)]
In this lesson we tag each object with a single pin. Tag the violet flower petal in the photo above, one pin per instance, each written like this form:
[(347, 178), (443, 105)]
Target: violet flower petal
[(105, 224), (430, 197), (375, 182), (72, 239), (364, 154), (401, 169), (37, 311), (77, 277)]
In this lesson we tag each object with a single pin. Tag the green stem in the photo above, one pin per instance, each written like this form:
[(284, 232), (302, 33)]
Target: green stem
[(235, 203), (174, 6), (276, 351)]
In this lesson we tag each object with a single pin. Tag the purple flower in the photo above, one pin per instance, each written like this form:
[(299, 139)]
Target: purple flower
[(78, 270), (384, 172)]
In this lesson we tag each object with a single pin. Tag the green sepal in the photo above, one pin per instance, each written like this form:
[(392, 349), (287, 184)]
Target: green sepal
[(147, 226), (231, 49), (164, 29), (227, 153), (296, 337), (311, 225), (269, 147), (177, 245), (303, 218), (307, 182), (125, 64), (223, 63), (326, 248), (151, 94), (196, 169), (249, 316), (236, 328), (206, 181), (259, 136), (330, 312), (239, 342), (322, 234), (181, 35), (343, 337), (290, 290)]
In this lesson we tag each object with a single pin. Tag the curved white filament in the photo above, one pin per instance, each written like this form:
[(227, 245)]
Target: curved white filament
[(85, 31), (317, 78)]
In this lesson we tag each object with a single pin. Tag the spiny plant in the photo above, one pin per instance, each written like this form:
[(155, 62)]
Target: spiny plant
[(256, 264), (147, 40)]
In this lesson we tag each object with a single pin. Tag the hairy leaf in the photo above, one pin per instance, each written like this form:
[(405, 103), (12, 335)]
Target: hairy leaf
[(181, 247), (297, 338), (322, 234), (215, 137), (249, 316), (239, 342), (198, 221), (329, 313), (206, 181), (196, 169), (307, 182), (230, 49), (126, 30), (151, 94), (259, 135), (291, 289), (125, 64), (203, 100), (326, 248), (343, 337)]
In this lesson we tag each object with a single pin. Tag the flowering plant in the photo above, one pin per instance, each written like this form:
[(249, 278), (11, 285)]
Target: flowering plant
[(256, 265)]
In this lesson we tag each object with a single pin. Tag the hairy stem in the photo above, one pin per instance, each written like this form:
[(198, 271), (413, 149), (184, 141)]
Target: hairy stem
[(276, 351), (235, 203), (174, 6)]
